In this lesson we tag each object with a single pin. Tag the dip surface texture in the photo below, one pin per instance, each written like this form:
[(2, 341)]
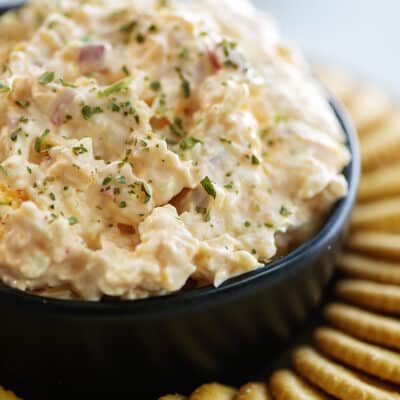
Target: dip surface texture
[(146, 147)]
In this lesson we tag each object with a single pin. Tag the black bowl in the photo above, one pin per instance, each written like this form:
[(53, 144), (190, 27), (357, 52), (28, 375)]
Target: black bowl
[(55, 348)]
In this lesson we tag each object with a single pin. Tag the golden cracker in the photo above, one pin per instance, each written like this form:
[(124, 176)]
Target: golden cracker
[(363, 267), (213, 391), (253, 391), (382, 182), (369, 108), (382, 146), (364, 324), (374, 360), (336, 380), (375, 296), (376, 243), (285, 385), (339, 82), (7, 395), (382, 214)]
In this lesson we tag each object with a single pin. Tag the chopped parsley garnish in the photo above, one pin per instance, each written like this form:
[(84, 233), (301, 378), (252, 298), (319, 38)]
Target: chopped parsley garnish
[(184, 54), (147, 195), (46, 78), (116, 87), (153, 28), (177, 127), (79, 149), (107, 180), (125, 70), (162, 105), (225, 140), (52, 196), (164, 3), (88, 111), (14, 135), (209, 187), (189, 142), (229, 186), (269, 225), (23, 119), (121, 179), (122, 204), (29, 170), (39, 142), (128, 27), (23, 103), (185, 84), (66, 84), (3, 170), (280, 118), (4, 88), (155, 86), (285, 212), (247, 224), (73, 220), (140, 38), (255, 160)]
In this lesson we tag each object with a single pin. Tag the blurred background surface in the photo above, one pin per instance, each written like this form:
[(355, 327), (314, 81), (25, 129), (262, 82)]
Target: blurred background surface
[(360, 35)]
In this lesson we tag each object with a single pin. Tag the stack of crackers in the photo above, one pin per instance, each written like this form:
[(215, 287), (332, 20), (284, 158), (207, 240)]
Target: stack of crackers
[(356, 356)]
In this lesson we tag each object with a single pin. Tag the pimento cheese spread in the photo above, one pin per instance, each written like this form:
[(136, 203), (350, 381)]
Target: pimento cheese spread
[(145, 145)]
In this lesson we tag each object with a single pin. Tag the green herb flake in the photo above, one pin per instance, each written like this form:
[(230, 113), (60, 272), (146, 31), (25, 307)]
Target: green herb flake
[(185, 84), (147, 195), (107, 180), (77, 150), (73, 220), (177, 127), (255, 160), (128, 27), (14, 134), (285, 212), (23, 103), (116, 87), (162, 105), (140, 38), (280, 118), (39, 142), (184, 54), (125, 70), (46, 78), (4, 88), (88, 111), (29, 170), (209, 187), (121, 179), (225, 140), (67, 84), (189, 142), (52, 196), (229, 186), (122, 204), (155, 86), (247, 224), (3, 170)]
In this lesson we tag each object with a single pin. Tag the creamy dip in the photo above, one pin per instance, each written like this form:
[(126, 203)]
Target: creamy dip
[(148, 146)]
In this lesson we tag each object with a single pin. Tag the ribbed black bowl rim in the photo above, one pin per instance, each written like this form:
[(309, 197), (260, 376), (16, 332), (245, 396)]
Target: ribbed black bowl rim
[(152, 307)]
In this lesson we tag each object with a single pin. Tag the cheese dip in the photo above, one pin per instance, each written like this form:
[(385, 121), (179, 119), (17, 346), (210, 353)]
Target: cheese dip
[(146, 147)]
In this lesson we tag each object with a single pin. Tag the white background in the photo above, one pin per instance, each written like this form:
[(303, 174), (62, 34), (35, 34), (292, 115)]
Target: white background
[(362, 35)]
